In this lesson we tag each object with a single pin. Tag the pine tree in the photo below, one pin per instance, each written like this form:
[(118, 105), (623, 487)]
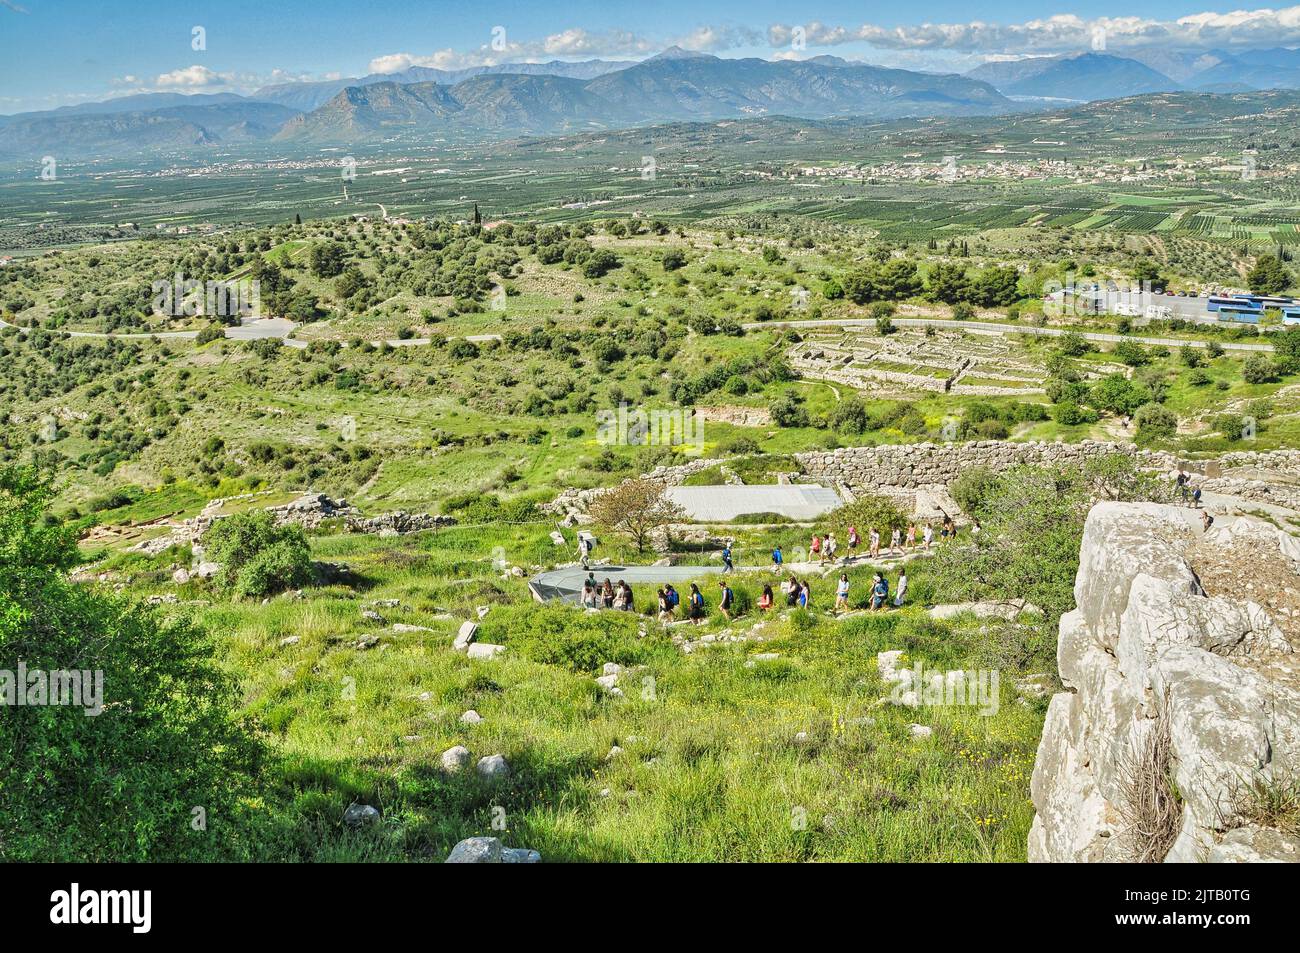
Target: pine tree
[(478, 219)]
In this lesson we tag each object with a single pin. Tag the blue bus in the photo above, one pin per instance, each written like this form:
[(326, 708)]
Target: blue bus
[(1238, 302), (1240, 315)]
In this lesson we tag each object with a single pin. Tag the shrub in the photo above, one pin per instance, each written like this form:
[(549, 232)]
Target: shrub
[(120, 786), (1155, 422), (256, 556)]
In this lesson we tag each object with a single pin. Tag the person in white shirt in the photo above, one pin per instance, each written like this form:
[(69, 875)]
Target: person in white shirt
[(901, 592)]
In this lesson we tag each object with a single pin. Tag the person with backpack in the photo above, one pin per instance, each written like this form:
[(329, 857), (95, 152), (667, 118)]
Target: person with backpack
[(777, 558), (696, 600), (665, 613), (726, 558), (879, 592), (727, 600), (674, 599)]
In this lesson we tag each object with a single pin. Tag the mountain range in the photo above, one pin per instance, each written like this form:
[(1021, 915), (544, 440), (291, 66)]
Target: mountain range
[(558, 97), (674, 85), (1087, 77)]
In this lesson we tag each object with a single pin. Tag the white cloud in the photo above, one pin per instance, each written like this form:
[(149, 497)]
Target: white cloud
[(192, 77), (1061, 32), (574, 43)]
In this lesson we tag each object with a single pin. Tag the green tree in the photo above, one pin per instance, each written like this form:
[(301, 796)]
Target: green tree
[(121, 785), (1269, 276)]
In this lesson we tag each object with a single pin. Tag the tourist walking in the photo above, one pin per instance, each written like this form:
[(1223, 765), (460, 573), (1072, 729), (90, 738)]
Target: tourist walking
[(726, 559), (777, 558), (927, 536), (829, 547), (842, 594), (696, 607), (1206, 520), (879, 592), (901, 592), (726, 600), (1196, 498), (896, 542), (853, 542), (674, 599), (665, 610), (875, 543), (815, 548), (911, 536)]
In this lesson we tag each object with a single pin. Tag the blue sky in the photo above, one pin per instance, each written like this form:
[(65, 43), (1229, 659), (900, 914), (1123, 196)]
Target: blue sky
[(57, 52)]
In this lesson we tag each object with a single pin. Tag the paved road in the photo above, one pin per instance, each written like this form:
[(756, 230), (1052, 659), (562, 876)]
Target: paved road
[(989, 327), (252, 331)]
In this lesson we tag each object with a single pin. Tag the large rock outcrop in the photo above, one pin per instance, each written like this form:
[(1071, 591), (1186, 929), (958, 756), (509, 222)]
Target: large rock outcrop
[(1184, 692)]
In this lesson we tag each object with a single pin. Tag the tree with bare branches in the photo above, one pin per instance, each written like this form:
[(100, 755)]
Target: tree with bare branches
[(635, 509)]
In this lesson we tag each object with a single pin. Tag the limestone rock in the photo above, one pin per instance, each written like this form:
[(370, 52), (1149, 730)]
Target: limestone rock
[(455, 758), (493, 767)]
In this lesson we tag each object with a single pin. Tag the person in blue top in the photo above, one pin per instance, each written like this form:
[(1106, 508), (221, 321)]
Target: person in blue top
[(879, 592), (777, 558), (727, 600), (726, 559), (696, 603)]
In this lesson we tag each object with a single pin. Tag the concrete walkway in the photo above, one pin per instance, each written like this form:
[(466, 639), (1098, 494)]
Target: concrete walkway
[(565, 584)]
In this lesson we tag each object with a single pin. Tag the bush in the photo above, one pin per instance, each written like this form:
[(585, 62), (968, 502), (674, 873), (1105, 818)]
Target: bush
[(120, 786), (257, 557), (1155, 422), (1258, 369), (972, 487)]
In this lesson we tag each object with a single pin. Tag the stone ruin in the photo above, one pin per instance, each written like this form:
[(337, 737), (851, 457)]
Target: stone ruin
[(310, 511), (907, 359), (1182, 693)]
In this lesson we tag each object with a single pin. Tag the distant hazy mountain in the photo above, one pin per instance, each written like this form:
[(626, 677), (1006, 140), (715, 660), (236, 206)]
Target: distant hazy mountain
[(308, 96), (1079, 76), (1253, 69), (139, 102), (173, 127), (676, 84)]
